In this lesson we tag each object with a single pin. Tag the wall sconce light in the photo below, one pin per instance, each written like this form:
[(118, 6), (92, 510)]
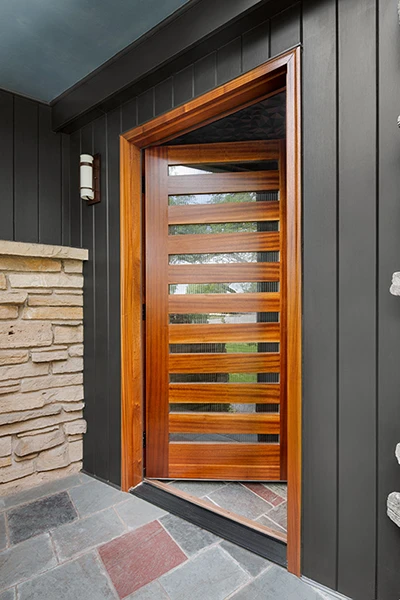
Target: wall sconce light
[(90, 178)]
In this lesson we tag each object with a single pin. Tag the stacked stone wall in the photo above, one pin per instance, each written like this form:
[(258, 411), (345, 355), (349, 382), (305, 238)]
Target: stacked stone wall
[(41, 363)]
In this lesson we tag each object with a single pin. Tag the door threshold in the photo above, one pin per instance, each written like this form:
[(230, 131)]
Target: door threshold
[(241, 531)]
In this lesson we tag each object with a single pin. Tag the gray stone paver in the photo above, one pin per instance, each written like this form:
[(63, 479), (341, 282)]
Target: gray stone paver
[(3, 532), (240, 499), (152, 591), (39, 516), (91, 497), (82, 578), (211, 574), (250, 562), (189, 537), (79, 536), (46, 489), (198, 488), (10, 594), (25, 560), (136, 512)]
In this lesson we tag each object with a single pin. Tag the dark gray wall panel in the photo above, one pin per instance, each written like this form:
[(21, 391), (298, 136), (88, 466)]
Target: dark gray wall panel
[(76, 203), (229, 61), (255, 46), (357, 299), (145, 106), (389, 306), (31, 182), (285, 29), (65, 191), (49, 159), (320, 302), (129, 114), (7, 166), (183, 86), (26, 206), (163, 97), (205, 74)]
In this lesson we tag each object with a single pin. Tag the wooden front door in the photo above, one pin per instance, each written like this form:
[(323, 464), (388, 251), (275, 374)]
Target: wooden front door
[(215, 311)]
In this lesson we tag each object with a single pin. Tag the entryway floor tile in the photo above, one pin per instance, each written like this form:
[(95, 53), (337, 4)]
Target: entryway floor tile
[(152, 591), (198, 488), (212, 575), (37, 517), (240, 500), (40, 491), (189, 537), (136, 512), (26, 560), (139, 557), (83, 579), (250, 562), (91, 497), (10, 594), (3, 534)]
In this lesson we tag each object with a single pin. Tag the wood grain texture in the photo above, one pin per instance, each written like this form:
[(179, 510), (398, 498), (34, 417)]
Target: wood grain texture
[(204, 303), (224, 242), (254, 181), (131, 321), (283, 313), (222, 152), (238, 332), (262, 362), (232, 273), (157, 312), (224, 423), (221, 393), (231, 212)]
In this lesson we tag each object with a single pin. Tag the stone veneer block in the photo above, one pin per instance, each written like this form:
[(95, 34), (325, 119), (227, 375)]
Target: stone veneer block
[(45, 280), (41, 364)]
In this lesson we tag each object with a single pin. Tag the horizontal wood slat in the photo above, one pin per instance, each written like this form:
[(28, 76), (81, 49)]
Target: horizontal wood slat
[(257, 423), (251, 181), (204, 303), (221, 393), (223, 152), (226, 273), (228, 212), (236, 332), (232, 472), (224, 242), (223, 454), (262, 362)]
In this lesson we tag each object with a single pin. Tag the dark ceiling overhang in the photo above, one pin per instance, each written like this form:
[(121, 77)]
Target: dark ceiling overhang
[(205, 22)]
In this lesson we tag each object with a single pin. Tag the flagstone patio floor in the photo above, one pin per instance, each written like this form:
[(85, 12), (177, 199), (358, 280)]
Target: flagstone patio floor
[(78, 538)]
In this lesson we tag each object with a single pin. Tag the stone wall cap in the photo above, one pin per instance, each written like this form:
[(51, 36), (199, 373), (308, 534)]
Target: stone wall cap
[(8, 248)]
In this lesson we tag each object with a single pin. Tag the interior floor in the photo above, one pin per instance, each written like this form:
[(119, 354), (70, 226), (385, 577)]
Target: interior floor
[(264, 503)]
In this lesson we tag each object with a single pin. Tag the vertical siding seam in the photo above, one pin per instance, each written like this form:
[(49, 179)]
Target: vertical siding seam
[(13, 166), (38, 232), (107, 199), (80, 200), (269, 29), (377, 281), (337, 293)]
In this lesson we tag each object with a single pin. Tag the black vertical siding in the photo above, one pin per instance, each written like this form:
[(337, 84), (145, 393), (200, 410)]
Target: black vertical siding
[(31, 173), (351, 220)]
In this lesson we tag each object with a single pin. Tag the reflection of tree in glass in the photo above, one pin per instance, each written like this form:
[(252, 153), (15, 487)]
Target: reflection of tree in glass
[(183, 199)]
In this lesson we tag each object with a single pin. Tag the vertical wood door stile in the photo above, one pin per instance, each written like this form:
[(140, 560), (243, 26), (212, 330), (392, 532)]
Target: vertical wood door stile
[(283, 319), (157, 377)]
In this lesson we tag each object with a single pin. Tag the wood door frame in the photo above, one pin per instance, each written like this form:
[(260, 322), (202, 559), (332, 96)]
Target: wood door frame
[(279, 73)]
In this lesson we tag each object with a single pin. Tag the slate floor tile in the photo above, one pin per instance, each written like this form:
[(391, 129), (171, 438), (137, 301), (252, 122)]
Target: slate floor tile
[(40, 491), (240, 500), (31, 519), (3, 534), (152, 591), (250, 562), (136, 512), (279, 515), (265, 520), (139, 557), (26, 560), (91, 497), (189, 537), (276, 583), (280, 489), (10, 594), (83, 534), (212, 575), (265, 493), (199, 489), (83, 579)]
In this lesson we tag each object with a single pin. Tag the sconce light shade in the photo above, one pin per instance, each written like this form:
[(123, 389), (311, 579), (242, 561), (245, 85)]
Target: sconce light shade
[(90, 178)]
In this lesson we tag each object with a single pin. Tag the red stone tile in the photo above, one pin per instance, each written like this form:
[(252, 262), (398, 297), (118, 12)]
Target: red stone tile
[(139, 557), (265, 493)]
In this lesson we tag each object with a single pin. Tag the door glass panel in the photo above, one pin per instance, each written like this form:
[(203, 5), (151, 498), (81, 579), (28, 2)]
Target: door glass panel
[(213, 228), (228, 438), (224, 377), (219, 318), (241, 409), (237, 167), (219, 258), (228, 348), (224, 288), (222, 198)]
